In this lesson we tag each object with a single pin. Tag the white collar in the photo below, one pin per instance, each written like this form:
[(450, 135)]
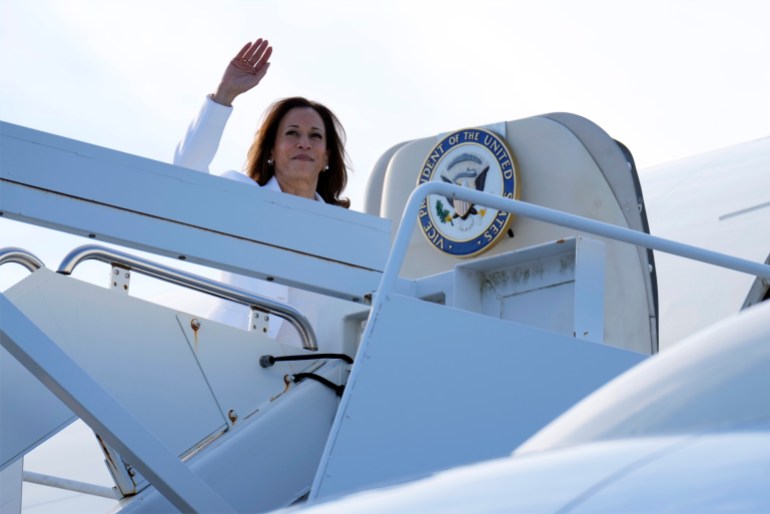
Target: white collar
[(273, 185)]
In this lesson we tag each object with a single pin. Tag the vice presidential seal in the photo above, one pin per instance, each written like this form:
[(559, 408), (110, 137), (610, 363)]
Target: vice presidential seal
[(474, 158)]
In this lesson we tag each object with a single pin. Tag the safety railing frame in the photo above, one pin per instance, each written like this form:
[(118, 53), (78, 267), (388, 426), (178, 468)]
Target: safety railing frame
[(194, 282), (586, 225), (11, 254)]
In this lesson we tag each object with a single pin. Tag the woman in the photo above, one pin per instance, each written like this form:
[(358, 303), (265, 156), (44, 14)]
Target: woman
[(298, 149)]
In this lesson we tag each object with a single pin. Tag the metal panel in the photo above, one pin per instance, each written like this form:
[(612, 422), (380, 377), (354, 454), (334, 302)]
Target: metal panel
[(158, 369), (461, 388), (590, 278), (88, 190), (135, 350), (557, 286), (29, 413), (52, 366), (10, 488), (266, 461), (567, 164), (549, 308), (229, 358), (714, 381)]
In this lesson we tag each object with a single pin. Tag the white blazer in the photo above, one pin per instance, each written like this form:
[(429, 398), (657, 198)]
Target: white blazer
[(196, 151)]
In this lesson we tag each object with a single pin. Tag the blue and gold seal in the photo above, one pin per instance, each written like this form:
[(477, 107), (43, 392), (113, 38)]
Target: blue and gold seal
[(474, 158)]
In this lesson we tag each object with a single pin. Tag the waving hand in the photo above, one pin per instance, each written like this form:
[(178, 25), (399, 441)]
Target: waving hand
[(244, 71)]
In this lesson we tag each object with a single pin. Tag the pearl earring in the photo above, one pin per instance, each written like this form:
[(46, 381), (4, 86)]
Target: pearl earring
[(325, 168), (270, 162)]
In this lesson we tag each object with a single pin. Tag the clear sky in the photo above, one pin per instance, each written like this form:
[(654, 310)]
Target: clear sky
[(669, 78)]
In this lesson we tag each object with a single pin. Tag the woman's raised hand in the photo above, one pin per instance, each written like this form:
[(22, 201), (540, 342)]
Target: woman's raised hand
[(244, 71)]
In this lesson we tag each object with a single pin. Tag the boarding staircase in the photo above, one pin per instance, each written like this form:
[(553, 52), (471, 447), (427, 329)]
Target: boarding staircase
[(413, 362)]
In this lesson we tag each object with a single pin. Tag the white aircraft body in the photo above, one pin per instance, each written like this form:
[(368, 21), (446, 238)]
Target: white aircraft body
[(452, 359), (718, 201)]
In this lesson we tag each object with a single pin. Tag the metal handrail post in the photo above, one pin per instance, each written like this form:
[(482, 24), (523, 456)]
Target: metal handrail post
[(70, 485), (20, 256)]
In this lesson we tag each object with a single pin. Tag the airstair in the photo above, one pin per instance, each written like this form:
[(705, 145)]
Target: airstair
[(412, 361)]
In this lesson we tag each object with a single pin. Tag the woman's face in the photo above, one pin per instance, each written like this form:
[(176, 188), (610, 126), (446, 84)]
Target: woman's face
[(300, 151)]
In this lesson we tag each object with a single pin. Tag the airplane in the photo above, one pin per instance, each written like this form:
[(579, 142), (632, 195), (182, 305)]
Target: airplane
[(573, 270)]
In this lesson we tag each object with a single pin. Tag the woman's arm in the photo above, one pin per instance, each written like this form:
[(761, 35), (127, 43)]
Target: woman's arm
[(243, 72), (197, 148)]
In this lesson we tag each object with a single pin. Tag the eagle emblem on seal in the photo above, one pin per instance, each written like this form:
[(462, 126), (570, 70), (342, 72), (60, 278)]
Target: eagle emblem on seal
[(476, 159), (464, 171)]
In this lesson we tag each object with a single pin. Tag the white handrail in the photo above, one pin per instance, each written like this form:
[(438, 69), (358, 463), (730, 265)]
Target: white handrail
[(537, 212), (70, 485)]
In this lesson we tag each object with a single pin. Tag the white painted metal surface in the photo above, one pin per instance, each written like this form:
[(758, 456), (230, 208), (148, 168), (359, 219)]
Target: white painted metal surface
[(29, 412), (35, 350), (710, 473), (557, 287), (714, 380), (462, 388), (10, 487), (566, 163), (131, 348), (434, 385), (266, 461), (83, 189), (198, 392), (688, 430)]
